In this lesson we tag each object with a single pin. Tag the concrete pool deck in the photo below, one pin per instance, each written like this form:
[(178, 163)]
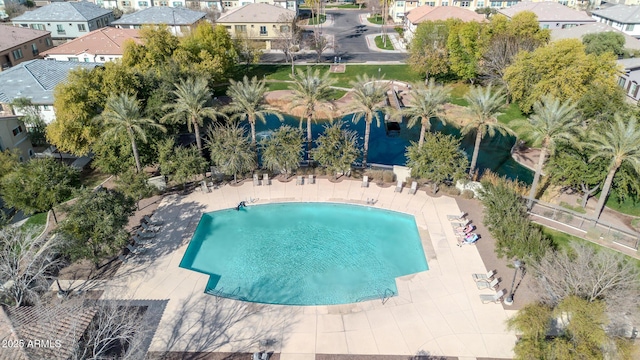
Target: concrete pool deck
[(436, 312)]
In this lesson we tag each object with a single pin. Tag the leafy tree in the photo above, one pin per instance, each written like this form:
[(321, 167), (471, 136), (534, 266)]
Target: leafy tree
[(39, 185), (438, 160), (248, 103), (113, 154), (483, 105), (551, 122), (231, 150), (94, 226), (249, 50), (155, 52), (369, 100), (134, 185), (336, 149), (599, 103), (9, 161), (428, 49), (319, 44), (608, 41), (532, 322), (464, 46), (31, 112), (181, 164), (560, 69), (619, 144), (282, 151), (123, 115), (289, 39), (426, 103), (190, 107), (310, 91)]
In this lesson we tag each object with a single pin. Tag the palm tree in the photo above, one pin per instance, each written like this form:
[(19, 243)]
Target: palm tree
[(248, 103), (122, 114), (425, 104), (368, 100), (484, 106), (619, 142), (230, 150), (310, 90), (552, 121), (190, 107)]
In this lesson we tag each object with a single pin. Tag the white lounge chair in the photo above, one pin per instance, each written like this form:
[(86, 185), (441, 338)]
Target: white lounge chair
[(484, 277), (494, 298), (205, 188), (461, 224), (265, 356), (300, 180), (149, 228), (365, 181), (414, 187), (256, 180), (256, 356), (265, 180), (457, 216), (312, 180), (488, 285), (135, 250), (151, 221), (399, 186)]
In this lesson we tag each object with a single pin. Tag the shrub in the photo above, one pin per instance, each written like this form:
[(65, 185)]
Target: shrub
[(374, 175), (467, 194), (388, 176), (449, 190)]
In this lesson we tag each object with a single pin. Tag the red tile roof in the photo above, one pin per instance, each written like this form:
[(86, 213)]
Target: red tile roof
[(104, 41), (431, 13)]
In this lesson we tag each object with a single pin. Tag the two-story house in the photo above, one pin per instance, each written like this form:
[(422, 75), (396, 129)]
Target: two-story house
[(621, 17), (99, 46), (35, 80), (430, 13), (629, 81), (551, 15), (261, 22), (205, 5), (179, 20), (20, 44), (398, 9), (66, 20), (13, 134)]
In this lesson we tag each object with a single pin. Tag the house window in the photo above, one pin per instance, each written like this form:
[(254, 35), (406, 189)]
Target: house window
[(17, 131), (143, 3), (628, 27), (72, 58), (431, 3), (633, 90), (34, 49), (211, 4), (445, 3), (511, 3), (101, 58), (60, 29), (241, 28), (126, 3), (464, 3), (621, 82), (480, 4), (227, 4), (24, 25), (177, 4), (37, 26), (400, 3), (284, 28), (496, 3), (164, 3), (263, 30), (545, 26), (81, 27), (17, 54), (45, 107), (48, 41)]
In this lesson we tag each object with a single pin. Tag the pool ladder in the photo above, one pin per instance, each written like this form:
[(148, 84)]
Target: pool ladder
[(383, 296)]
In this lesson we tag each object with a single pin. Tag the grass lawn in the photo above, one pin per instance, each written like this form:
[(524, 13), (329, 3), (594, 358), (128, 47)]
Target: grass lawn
[(380, 44), (35, 223), (399, 30), (273, 86), (320, 19), (458, 91), (92, 178), (629, 206), (376, 19), (512, 112)]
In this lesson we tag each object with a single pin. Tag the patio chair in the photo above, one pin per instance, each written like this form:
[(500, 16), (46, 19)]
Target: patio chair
[(265, 180), (135, 250), (149, 228), (205, 188), (150, 221), (140, 241), (145, 235), (493, 298), (457, 216), (414, 188), (300, 180), (484, 277), (265, 356), (122, 258), (399, 186), (365, 181), (256, 180), (468, 239), (312, 180), (488, 285), (460, 224), (256, 356)]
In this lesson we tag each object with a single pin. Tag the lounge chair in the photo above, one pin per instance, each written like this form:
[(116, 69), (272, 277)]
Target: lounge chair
[(495, 298), (312, 180), (488, 285), (300, 180), (399, 186), (414, 187), (464, 230), (468, 239), (462, 223), (265, 356), (456, 217), (135, 250), (265, 180), (150, 221), (145, 235), (365, 181), (205, 188), (256, 356), (149, 228), (484, 277), (141, 241), (122, 258), (256, 180)]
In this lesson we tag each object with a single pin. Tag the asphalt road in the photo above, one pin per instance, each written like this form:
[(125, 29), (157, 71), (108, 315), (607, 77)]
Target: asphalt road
[(350, 38)]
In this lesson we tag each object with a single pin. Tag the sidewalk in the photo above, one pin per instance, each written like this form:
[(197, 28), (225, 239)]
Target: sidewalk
[(398, 45)]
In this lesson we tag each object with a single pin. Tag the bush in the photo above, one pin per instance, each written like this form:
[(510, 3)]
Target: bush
[(388, 176), (374, 175), (449, 190), (467, 194)]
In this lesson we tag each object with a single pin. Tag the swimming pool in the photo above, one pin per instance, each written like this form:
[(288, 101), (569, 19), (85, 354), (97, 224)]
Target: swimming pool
[(305, 253)]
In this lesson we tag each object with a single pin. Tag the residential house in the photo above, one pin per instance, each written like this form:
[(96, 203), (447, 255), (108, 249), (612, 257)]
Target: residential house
[(398, 9), (578, 32), (577, 4), (13, 134), (430, 13), (551, 15), (204, 5), (621, 17), (35, 80), (262, 22), (179, 20), (66, 20), (20, 44), (98, 46), (630, 79)]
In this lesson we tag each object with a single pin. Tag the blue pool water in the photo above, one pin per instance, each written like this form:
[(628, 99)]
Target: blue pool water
[(305, 253)]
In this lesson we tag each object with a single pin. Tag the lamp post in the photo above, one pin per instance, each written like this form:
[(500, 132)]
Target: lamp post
[(379, 73), (517, 264)]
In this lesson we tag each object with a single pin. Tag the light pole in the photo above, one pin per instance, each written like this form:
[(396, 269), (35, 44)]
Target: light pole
[(517, 264), (379, 73)]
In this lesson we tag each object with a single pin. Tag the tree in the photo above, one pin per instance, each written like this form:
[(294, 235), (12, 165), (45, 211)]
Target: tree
[(600, 43), (134, 185), (336, 149), (9, 161), (231, 150), (123, 115), (26, 264), (599, 103), (190, 107), (39, 185), (428, 49), (94, 226), (426, 103), (282, 151), (249, 50), (438, 160), (369, 100), (464, 46), (483, 105), (618, 143), (310, 91), (181, 164), (248, 103), (289, 39), (551, 122), (319, 44), (155, 52)]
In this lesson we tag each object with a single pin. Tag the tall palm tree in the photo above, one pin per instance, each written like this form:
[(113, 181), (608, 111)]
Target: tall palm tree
[(123, 114), (368, 100), (310, 90), (190, 107), (426, 103), (619, 142), (551, 122), (483, 105), (248, 103)]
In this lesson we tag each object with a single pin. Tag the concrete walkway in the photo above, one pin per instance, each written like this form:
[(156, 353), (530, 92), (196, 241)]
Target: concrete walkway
[(437, 311)]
